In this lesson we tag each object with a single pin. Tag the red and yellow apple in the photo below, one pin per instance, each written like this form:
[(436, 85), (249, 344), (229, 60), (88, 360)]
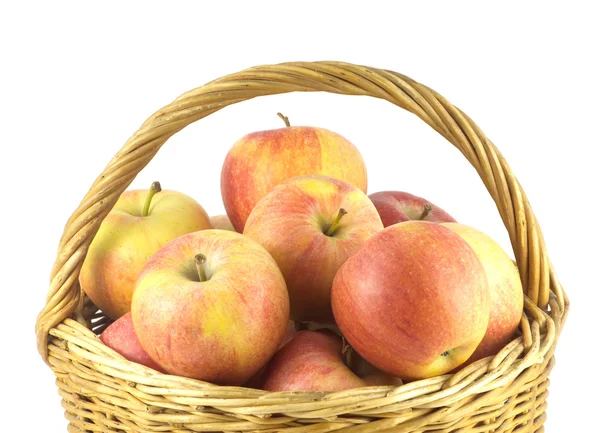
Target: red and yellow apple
[(397, 206), (221, 222), (211, 305), (311, 225), (261, 160), (120, 336), (506, 291), (137, 226), (256, 380), (413, 300), (314, 361)]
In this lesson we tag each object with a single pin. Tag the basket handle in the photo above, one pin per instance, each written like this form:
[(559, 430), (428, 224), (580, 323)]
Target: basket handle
[(537, 275)]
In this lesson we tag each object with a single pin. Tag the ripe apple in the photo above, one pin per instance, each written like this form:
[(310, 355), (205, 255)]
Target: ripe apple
[(121, 337), (311, 225), (137, 226), (211, 305), (506, 291), (256, 380), (314, 361), (221, 222), (413, 301), (261, 160), (397, 206)]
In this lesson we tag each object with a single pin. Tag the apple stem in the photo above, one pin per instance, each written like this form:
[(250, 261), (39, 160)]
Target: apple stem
[(200, 260), (336, 222), (154, 188), (426, 210), (285, 119)]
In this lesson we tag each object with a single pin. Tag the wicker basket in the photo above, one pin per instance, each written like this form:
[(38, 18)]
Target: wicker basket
[(103, 392)]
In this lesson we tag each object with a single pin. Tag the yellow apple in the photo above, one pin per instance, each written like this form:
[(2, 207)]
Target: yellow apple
[(506, 291), (137, 226)]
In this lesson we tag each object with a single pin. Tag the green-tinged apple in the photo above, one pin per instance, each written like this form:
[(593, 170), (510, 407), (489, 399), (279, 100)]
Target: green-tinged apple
[(120, 336), (413, 301), (137, 226), (314, 361), (221, 222), (506, 290), (397, 206), (311, 225), (211, 305), (261, 160)]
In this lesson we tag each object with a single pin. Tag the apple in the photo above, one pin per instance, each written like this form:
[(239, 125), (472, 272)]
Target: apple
[(221, 222), (261, 160), (506, 290), (256, 380), (211, 305), (413, 300), (369, 373), (314, 361), (311, 225), (137, 226), (397, 206), (121, 337)]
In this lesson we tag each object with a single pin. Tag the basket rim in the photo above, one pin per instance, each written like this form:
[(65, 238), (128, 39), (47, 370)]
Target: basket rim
[(487, 375)]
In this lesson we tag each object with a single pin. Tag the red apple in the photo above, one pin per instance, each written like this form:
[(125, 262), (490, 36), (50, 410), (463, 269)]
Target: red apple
[(211, 305), (314, 361), (506, 291), (221, 222), (397, 206), (261, 160), (311, 225), (256, 380), (121, 337), (413, 301), (137, 226)]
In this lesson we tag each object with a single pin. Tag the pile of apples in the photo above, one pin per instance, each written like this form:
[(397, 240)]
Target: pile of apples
[(307, 284)]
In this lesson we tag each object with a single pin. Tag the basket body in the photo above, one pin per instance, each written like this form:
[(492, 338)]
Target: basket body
[(102, 392)]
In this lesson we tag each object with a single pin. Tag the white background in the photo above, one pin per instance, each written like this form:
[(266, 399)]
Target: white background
[(77, 80)]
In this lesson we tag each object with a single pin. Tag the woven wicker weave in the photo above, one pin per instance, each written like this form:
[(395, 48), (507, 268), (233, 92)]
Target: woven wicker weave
[(102, 392)]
